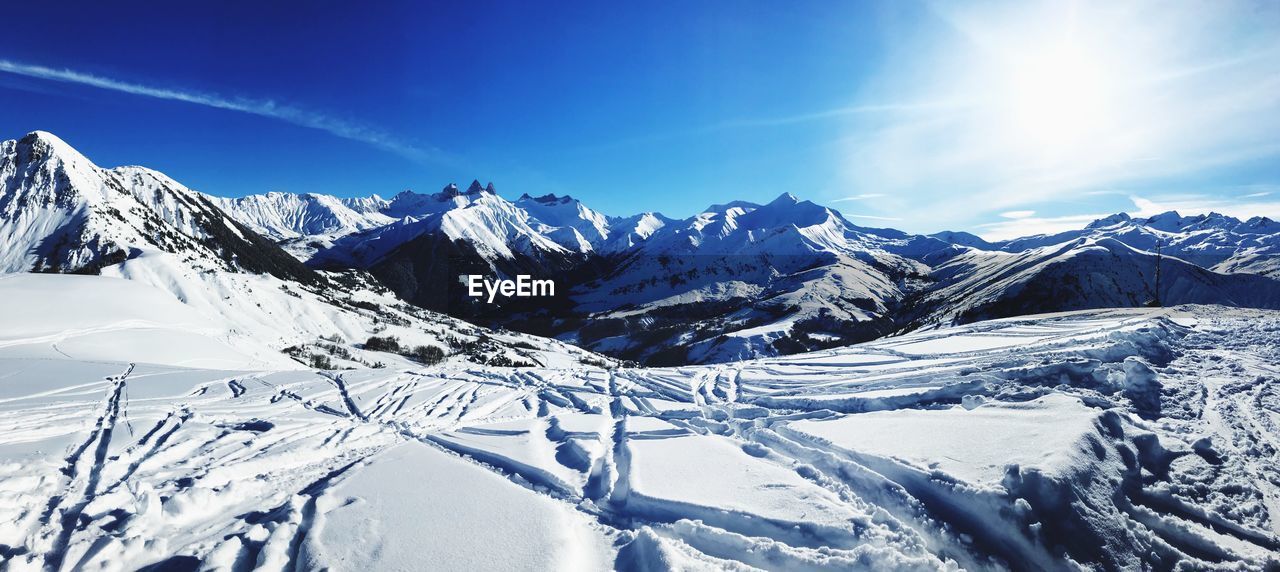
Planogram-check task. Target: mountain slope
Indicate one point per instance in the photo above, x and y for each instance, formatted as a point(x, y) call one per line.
point(61, 213)
point(287, 215)
point(450, 234)
point(1214, 241)
point(1084, 273)
point(743, 280)
point(495, 227)
point(579, 228)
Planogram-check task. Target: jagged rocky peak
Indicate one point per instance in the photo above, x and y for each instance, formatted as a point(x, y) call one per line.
point(45, 141)
point(42, 146)
point(476, 189)
point(449, 191)
point(1260, 224)
point(40, 170)
point(548, 199)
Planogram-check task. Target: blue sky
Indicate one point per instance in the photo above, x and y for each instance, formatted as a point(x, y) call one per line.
point(998, 118)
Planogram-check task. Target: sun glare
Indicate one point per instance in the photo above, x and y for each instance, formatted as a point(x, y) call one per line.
point(1058, 99)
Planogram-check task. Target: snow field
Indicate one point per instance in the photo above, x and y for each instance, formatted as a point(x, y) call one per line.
point(1103, 439)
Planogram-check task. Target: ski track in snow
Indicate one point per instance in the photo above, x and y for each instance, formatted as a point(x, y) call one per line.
point(1109, 438)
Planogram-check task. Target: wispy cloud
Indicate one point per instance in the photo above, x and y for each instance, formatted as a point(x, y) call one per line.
point(1185, 205)
point(765, 122)
point(262, 107)
point(1193, 205)
point(1018, 214)
point(850, 110)
point(862, 197)
point(1031, 226)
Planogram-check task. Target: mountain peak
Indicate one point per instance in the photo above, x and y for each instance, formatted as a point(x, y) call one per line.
point(475, 188)
point(42, 145)
point(785, 199)
point(963, 239)
point(548, 199)
point(1112, 220)
point(1173, 222)
point(1261, 223)
point(449, 191)
point(406, 196)
point(43, 136)
point(1166, 215)
point(720, 208)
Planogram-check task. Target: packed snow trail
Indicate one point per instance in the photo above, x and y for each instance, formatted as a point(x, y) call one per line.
point(83, 476)
point(1105, 439)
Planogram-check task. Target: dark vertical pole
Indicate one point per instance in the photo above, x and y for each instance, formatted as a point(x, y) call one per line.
point(1159, 243)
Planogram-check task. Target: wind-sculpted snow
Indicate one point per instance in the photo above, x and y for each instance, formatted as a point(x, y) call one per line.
point(1104, 439)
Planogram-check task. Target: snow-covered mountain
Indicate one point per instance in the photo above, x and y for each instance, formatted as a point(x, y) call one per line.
point(1091, 271)
point(1213, 240)
point(583, 229)
point(494, 226)
point(741, 280)
point(577, 226)
point(963, 239)
point(59, 212)
point(437, 238)
point(761, 279)
point(288, 215)
point(418, 244)
point(498, 227)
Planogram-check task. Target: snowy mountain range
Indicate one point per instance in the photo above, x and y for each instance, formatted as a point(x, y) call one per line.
point(736, 281)
point(1214, 241)
point(192, 383)
point(742, 279)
